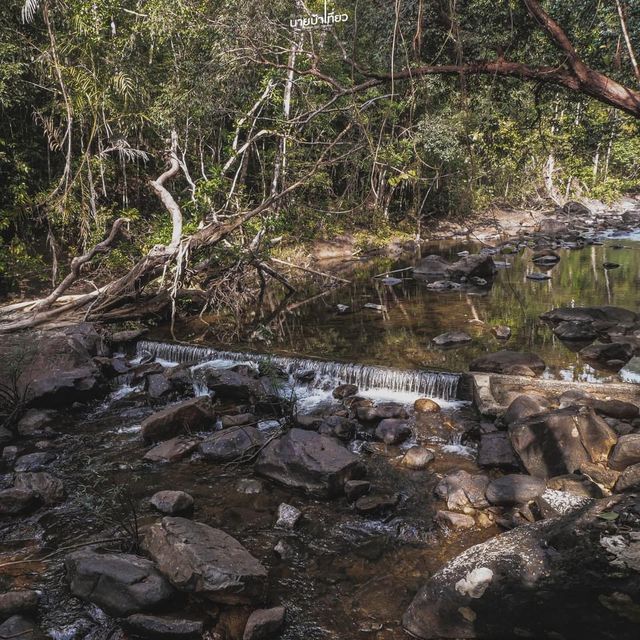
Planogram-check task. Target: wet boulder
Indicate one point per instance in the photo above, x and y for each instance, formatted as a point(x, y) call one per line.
point(264, 624)
point(374, 504)
point(618, 352)
point(34, 461)
point(238, 419)
point(617, 409)
point(514, 489)
point(393, 431)
point(231, 444)
point(121, 584)
point(154, 627)
point(561, 441)
point(310, 462)
point(502, 332)
point(461, 489)
point(626, 452)
point(509, 363)
point(188, 416)
point(44, 485)
point(171, 450)
point(354, 489)
point(15, 501)
point(36, 423)
point(172, 503)
point(417, 458)
point(339, 427)
point(344, 391)
point(200, 559)
point(575, 331)
point(20, 627)
point(454, 520)
point(18, 602)
point(229, 384)
point(570, 577)
point(474, 266)
point(575, 484)
point(426, 405)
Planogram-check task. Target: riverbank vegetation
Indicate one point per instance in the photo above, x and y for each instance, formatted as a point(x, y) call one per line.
point(214, 128)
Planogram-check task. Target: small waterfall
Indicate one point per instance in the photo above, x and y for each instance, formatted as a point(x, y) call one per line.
point(443, 386)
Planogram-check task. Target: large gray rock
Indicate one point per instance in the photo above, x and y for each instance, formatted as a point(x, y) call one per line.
point(620, 352)
point(121, 584)
point(560, 442)
point(461, 489)
point(231, 444)
point(49, 488)
point(34, 461)
point(452, 339)
point(190, 415)
point(200, 559)
point(495, 450)
point(172, 503)
point(14, 602)
point(629, 479)
point(308, 461)
point(264, 624)
point(171, 450)
point(36, 423)
point(509, 363)
point(613, 315)
point(626, 452)
point(393, 431)
point(525, 406)
point(432, 266)
point(475, 266)
point(514, 489)
point(571, 577)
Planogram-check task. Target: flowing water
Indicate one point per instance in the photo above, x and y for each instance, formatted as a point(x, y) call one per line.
point(400, 334)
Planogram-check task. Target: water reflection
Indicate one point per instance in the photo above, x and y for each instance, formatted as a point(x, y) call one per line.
point(401, 319)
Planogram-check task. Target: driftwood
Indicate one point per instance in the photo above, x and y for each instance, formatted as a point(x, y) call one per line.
point(308, 270)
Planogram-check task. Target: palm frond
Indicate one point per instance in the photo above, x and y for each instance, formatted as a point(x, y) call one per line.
point(29, 10)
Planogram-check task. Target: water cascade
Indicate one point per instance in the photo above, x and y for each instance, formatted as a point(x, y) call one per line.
point(431, 384)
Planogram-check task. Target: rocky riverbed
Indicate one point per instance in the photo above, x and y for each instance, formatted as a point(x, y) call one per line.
point(145, 497)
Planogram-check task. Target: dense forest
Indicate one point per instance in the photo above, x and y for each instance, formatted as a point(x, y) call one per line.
point(407, 111)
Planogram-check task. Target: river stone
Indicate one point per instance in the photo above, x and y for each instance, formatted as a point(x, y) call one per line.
point(20, 628)
point(354, 489)
point(509, 363)
point(264, 624)
point(345, 391)
point(569, 577)
point(417, 458)
point(172, 503)
point(171, 450)
point(338, 426)
point(453, 338)
point(514, 489)
point(308, 461)
point(157, 385)
point(538, 276)
point(121, 584)
point(288, 517)
point(615, 409)
point(188, 416)
point(619, 351)
point(626, 452)
point(426, 405)
point(525, 406)
point(13, 602)
point(575, 331)
point(145, 626)
point(552, 227)
point(474, 266)
point(390, 410)
point(200, 559)
point(559, 442)
point(495, 450)
point(231, 385)
point(615, 315)
point(376, 503)
point(432, 267)
point(15, 501)
point(455, 520)
point(238, 420)
point(392, 431)
point(629, 479)
point(231, 444)
point(49, 488)
point(502, 332)
point(460, 489)
point(34, 461)
point(545, 256)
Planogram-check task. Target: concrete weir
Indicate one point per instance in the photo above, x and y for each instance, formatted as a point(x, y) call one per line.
point(492, 393)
